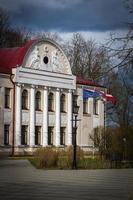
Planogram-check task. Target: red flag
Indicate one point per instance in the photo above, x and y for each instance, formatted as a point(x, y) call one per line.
point(110, 98)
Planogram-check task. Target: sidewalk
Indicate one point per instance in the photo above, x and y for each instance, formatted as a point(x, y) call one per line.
point(20, 180)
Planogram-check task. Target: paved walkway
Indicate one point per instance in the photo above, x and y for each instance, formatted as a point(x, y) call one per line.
point(20, 180)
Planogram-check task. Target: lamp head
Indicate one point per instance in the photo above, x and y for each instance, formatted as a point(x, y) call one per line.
point(76, 109)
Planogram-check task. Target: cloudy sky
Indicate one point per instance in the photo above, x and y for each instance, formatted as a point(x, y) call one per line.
point(95, 18)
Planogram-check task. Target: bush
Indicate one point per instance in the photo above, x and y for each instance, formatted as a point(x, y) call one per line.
point(52, 158)
point(79, 156)
point(96, 163)
point(46, 157)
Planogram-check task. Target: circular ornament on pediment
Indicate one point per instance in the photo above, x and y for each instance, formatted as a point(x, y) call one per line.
point(45, 60)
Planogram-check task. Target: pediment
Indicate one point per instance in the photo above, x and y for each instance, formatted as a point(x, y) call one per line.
point(48, 56)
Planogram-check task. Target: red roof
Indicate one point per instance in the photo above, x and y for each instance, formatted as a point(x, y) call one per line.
point(82, 81)
point(13, 57)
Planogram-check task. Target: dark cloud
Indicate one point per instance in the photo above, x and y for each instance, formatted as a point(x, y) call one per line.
point(66, 15)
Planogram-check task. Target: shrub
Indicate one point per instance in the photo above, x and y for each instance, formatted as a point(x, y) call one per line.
point(79, 156)
point(46, 157)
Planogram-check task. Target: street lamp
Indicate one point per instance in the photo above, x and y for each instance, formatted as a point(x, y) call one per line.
point(75, 112)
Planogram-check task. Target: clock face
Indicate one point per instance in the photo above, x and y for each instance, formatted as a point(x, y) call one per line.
point(47, 56)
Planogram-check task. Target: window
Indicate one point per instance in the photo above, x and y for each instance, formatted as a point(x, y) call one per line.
point(95, 106)
point(6, 134)
point(37, 135)
point(50, 135)
point(85, 106)
point(24, 135)
point(25, 99)
point(63, 103)
point(50, 102)
point(7, 97)
point(38, 101)
point(75, 98)
point(62, 136)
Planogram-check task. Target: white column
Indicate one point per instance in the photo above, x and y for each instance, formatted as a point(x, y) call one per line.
point(69, 118)
point(18, 115)
point(57, 116)
point(45, 118)
point(32, 116)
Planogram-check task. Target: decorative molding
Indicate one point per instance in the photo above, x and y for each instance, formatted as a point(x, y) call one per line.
point(46, 50)
point(34, 58)
point(57, 60)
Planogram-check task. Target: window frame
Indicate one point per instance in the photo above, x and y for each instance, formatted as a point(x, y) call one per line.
point(63, 103)
point(7, 97)
point(62, 135)
point(85, 106)
point(51, 102)
point(24, 135)
point(95, 106)
point(74, 101)
point(25, 100)
point(50, 135)
point(6, 134)
point(38, 135)
point(38, 101)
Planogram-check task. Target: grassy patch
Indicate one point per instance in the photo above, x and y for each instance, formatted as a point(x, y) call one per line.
point(20, 157)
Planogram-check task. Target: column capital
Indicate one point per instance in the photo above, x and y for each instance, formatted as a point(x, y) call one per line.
point(70, 91)
point(57, 89)
point(45, 88)
point(18, 84)
point(33, 86)
point(49, 88)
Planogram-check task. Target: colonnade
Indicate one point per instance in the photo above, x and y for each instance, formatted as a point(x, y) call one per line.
point(18, 115)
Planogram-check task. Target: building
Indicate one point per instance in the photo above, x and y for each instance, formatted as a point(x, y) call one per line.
point(37, 91)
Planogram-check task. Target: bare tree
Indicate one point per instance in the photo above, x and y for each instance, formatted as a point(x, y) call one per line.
point(87, 59)
point(11, 36)
point(51, 35)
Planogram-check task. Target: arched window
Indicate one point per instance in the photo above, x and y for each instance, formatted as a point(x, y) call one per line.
point(51, 102)
point(38, 101)
point(63, 103)
point(25, 99)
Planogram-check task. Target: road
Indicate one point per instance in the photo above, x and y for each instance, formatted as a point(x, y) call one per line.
point(20, 180)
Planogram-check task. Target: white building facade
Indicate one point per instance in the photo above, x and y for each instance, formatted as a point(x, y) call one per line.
point(37, 91)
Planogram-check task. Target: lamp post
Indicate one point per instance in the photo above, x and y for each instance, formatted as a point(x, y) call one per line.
point(75, 111)
point(124, 151)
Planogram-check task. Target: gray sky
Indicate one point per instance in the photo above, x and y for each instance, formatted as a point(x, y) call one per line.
point(68, 16)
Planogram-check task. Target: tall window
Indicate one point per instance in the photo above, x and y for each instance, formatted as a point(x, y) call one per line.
point(50, 135)
point(63, 103)
point(95, 106)
point(37, 135)
point(85, 106)
point(25, 99)
point(38, 101)
point(7, 97)
point(74, 99)
point(24, 135)
point(6, 134)
point(62, 136)
point(50, 102)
